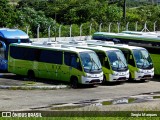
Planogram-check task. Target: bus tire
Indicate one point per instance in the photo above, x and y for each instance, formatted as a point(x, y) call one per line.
point(104, 79)
point(31, 74)
point(74, 82)
point(130, 77)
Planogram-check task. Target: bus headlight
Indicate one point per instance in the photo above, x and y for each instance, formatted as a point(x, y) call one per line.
point(139, 71)
point(115, 73)
point(88, 75)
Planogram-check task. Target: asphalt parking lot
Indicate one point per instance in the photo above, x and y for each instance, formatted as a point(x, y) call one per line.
point(49, 94)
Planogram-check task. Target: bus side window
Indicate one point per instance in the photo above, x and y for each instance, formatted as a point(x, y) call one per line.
point(107, 64)
point(126, 55)
point(74, 62)
point(102, 59)
point(50, 56)
point(70, 59)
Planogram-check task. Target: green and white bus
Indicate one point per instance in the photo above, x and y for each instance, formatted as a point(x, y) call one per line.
point(113, 62)
point(77, 66)
point(148, 40)
point(138, 59)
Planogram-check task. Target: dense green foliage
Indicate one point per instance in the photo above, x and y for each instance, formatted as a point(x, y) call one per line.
point(54, 13)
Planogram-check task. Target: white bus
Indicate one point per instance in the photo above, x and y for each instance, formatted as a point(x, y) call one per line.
point(77, 66)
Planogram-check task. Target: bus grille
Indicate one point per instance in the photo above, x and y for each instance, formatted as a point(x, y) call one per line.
point(95, 81)
point(122, 78)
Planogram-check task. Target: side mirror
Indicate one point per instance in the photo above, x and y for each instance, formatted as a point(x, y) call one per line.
point(77, 60)
point(105, 59)
point(130, 57)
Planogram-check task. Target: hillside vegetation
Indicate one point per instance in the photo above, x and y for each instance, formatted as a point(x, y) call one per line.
point(90, 14)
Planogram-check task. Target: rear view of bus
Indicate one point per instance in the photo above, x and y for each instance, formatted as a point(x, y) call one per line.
point(139, 61)
point(8, 36)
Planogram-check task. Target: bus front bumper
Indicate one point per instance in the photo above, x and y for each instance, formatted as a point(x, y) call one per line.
point(119, 76)
point(144, 76)
point(92, 80)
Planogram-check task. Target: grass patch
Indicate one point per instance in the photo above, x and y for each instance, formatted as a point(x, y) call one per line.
point(107, 103)
point(156, 97)
point(29, 83)
point(65, 107)
point(131, 100)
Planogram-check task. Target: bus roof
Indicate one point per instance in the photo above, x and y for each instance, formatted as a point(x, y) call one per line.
point(95, 47)
point(104, 33)
point(128, 46)
point(107, 44)
point(13, 33)
point(52, 46)
point(145, 36)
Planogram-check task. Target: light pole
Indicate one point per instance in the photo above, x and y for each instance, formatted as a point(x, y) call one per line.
point(124, 9)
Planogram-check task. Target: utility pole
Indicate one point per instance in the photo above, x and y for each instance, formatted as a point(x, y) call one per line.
point(124, 9)
point(122, 3)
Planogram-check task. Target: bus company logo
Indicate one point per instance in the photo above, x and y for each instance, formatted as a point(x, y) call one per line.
point(6, 114)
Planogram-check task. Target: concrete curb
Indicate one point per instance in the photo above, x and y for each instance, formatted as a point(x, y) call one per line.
point(33, 87)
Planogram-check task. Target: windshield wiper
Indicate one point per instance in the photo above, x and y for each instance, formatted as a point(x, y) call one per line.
point(145, 60)
point(121, 62)
point(95, 63)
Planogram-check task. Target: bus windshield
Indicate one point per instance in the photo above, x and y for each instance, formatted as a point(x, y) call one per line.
point(117, 60)
point(90, 62)
point(142, 58)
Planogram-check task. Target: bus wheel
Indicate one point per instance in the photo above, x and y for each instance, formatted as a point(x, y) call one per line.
point(130, 77)
point(31, 74)
point(104, 79)
point(74, 83)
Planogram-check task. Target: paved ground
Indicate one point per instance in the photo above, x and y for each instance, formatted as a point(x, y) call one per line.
point(84, 98)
